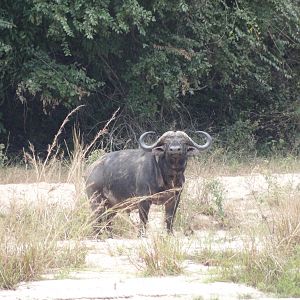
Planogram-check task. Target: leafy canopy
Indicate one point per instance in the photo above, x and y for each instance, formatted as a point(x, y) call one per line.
point(219, 64)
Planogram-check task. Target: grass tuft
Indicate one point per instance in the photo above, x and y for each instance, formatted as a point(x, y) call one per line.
point(160, 255)
point(270, 256)
point(31, 241)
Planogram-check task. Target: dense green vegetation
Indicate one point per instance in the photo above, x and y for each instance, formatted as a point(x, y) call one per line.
point(230, 67)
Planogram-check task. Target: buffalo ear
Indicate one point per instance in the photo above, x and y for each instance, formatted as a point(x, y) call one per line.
point(191, 151)
point(160, 150)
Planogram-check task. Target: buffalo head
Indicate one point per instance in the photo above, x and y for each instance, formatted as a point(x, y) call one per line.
point(175, 146)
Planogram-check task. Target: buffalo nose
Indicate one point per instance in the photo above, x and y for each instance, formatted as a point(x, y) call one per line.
point(175, 149)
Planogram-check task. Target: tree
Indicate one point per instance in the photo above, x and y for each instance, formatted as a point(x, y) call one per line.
point(229, 65)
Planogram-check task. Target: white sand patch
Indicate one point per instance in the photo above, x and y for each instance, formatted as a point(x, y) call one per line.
point(12, 195)
point(241, 187)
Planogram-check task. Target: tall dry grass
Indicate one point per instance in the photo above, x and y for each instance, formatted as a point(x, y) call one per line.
point(270, 256)
point(30, 241)
point(38, 236)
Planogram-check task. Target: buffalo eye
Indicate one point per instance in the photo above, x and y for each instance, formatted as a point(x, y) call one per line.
point(191, 150)
point(158, 150)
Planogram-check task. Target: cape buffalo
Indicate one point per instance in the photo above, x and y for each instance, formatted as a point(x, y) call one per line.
point(153, 172)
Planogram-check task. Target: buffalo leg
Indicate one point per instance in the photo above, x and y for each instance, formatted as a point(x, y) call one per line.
point(108, 225)
point(98, 209)
point(144, 208)
point(170, 211)
point(103, 215)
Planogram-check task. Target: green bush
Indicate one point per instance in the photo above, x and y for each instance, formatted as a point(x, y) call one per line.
point(222, 65)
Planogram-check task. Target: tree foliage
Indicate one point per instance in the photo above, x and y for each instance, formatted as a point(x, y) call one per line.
point(230, 65)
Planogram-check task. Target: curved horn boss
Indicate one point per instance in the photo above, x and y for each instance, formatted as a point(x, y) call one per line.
point(142, 143)
point(201, 147)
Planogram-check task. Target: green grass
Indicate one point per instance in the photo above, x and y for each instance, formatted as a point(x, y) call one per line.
point(272, 271)
point(269, 271)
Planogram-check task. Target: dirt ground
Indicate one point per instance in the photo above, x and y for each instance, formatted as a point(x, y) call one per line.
point(109, 274)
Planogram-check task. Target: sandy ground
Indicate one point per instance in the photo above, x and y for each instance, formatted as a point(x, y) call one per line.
point(235, 188)
point(110, 275)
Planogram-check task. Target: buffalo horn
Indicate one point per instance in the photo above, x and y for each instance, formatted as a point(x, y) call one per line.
point(206, 145)
point(142, 143)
